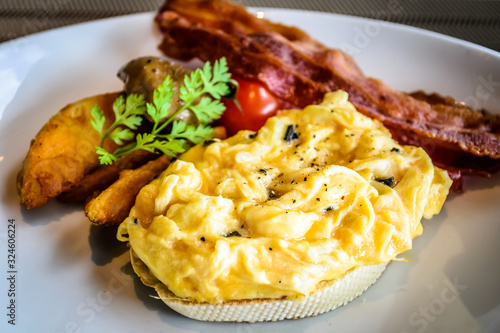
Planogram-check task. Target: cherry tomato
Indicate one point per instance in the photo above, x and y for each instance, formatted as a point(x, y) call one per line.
point(256, 102)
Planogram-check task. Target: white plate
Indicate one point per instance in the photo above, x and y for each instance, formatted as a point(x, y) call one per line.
point(72, 277)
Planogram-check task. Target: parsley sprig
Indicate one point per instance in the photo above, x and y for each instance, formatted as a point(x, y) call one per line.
point(200, 93)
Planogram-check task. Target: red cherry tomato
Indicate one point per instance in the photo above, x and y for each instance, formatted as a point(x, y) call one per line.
point(257, 104)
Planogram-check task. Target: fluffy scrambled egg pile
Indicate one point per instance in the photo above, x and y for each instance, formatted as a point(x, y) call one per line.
point(312, 195)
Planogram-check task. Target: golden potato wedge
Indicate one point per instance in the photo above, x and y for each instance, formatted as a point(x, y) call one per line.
point(113, 205)
point(63, 151)
point(104, 176)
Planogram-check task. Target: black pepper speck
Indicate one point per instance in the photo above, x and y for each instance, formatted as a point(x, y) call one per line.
point(207, 143)
point(290, 134)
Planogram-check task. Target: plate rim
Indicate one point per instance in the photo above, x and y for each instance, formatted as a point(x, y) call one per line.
point(359, 19)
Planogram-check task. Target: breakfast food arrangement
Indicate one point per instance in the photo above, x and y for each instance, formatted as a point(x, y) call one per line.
point(315, 197)
point(246, 210)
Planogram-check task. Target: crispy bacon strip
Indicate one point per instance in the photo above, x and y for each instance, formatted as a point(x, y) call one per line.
point(300, 70)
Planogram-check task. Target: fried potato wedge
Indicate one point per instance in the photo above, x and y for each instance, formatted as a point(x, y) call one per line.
point(113, 205)
point(63, 151)
point(104, 176)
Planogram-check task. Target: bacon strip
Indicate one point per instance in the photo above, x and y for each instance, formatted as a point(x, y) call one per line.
point(300, 70)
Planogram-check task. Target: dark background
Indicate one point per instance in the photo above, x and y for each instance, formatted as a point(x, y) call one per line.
point(477, 21)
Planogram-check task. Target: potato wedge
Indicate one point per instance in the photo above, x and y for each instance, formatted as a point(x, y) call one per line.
point(113, 205)
point(104, 176)
point(63, 151)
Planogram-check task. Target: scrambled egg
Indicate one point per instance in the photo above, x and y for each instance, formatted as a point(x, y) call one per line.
point(312, 195)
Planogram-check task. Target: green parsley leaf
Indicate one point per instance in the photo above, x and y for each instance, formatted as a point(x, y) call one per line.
point(144, 141)
point(170, 148)
point(190, 132)
point(188, 91)
point(134, 109)
point(162, 101)
point(104, 156)
point(220, 79)
point(121, 134)
point(200, 93)
point(208, 109)
point(98, 120)
point(127, 117)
